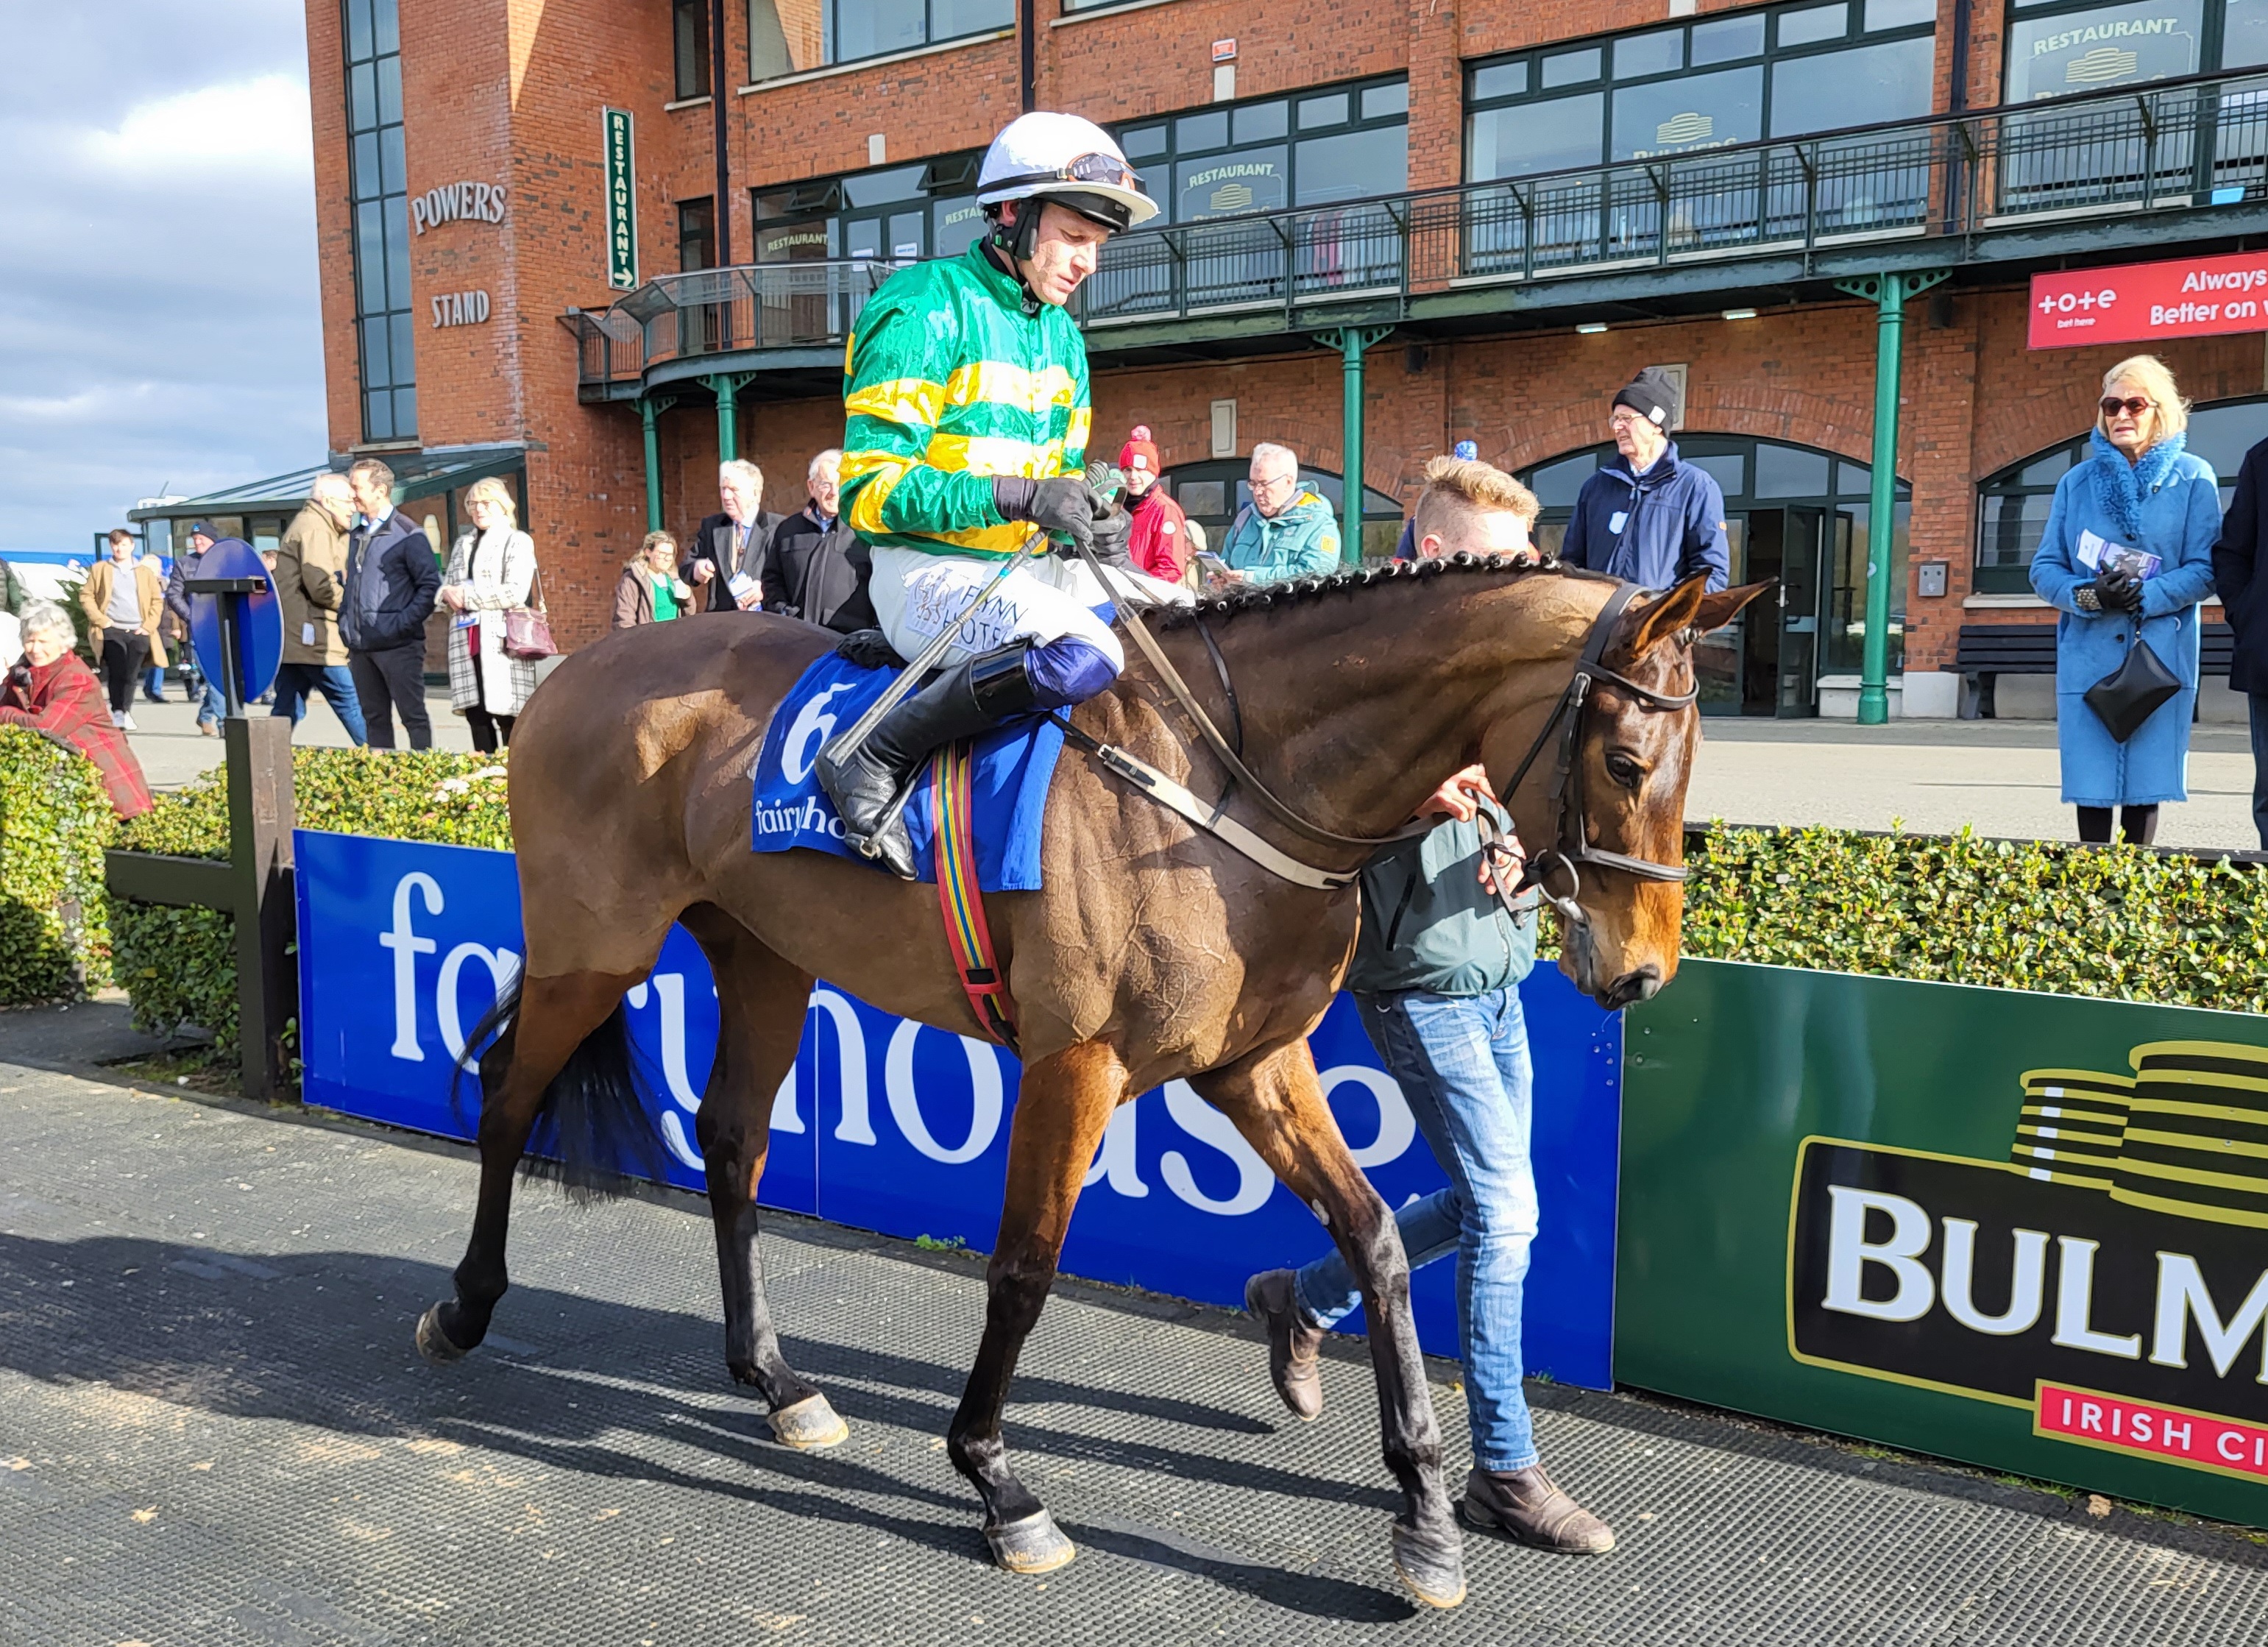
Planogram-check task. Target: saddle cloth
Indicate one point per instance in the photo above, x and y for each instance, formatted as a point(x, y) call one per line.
point(1009, 788)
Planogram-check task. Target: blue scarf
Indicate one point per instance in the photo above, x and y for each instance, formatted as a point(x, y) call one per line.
point(2121, 488)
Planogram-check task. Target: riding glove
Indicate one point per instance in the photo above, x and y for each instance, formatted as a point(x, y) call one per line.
point(1114, 533)
point(1062, 506)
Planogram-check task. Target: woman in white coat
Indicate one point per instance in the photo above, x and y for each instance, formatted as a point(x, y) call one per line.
point(492, 569)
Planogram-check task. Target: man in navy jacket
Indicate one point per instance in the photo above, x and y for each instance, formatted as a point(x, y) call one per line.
point(392, 581)
point(1646, 515)
point(2237, 577)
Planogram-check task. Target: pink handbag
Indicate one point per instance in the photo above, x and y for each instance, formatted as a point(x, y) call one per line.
point(527, 630)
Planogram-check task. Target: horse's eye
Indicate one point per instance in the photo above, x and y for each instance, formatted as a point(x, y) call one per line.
point(1624, 771)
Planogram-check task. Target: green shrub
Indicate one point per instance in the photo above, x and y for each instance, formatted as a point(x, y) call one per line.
point(55, 822)
point(179, 965)
point(2119, 922)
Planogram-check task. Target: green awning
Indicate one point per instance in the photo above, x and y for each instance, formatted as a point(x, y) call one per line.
point(415, 474)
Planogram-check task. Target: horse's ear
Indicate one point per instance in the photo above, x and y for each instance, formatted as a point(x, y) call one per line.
point(1717, 610)
point(1661, 619)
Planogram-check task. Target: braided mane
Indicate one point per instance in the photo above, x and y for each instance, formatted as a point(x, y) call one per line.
point(1265, 597)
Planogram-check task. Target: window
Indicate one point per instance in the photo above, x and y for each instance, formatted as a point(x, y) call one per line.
point(689, 20)
point(696, 243)
point(1701, 85)
point(2058, 51)
point(2012, 505)
point(896, 213)
point(386, 335)
point(871, 28)
point(1316, 149)
point(1212, 493)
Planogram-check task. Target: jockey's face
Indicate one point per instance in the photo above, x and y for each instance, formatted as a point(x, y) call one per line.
point(1065, 254)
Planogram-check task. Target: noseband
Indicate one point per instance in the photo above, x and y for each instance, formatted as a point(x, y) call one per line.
point(1570, 846)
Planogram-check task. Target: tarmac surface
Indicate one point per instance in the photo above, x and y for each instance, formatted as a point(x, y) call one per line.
point(213, 1430)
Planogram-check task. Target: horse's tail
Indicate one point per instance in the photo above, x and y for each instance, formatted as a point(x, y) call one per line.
point(592, 1133)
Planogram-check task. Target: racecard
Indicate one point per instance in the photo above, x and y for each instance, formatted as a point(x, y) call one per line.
point(2110, 1278)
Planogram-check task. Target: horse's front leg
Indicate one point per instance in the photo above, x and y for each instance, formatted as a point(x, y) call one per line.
point(1062, 1107)
point(1277, 1103)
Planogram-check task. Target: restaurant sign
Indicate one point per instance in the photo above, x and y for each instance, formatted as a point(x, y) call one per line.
point(2143, 303)
point(621, 200)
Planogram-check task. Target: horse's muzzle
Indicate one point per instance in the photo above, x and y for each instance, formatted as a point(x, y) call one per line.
point(1632, 988)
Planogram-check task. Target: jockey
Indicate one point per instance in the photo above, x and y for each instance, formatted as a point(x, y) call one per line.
point(966, 426)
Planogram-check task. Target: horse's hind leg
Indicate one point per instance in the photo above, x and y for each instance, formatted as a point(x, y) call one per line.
point(760, 1008)
point(1276, 1102)
point(1062, 1107)
point(553, 1018)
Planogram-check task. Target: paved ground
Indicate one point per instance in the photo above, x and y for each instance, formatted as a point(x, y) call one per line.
point(2003, 777)
point(213, 1430)
point(172, 752)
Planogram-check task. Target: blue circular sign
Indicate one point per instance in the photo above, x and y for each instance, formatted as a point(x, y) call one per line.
point(260, 619)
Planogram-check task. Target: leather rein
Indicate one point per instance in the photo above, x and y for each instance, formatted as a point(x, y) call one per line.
point(1570, 848)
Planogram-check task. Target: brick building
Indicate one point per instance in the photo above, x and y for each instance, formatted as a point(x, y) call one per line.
point(590, 245)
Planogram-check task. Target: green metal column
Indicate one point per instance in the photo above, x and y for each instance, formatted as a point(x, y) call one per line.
point(1889, 293)
point(1351, 341)
point(649, 413)
point(726, 386)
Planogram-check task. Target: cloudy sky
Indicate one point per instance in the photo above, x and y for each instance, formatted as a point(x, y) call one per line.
point(158, 327)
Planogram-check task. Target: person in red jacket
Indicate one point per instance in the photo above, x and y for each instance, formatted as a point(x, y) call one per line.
point(49, 690)
point(1160, 540)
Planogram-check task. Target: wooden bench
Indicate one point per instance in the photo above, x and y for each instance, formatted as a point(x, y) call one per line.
point(1988, 650)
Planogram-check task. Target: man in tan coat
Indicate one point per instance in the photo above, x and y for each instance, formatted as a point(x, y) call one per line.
point(310, 566)
point(123, 600)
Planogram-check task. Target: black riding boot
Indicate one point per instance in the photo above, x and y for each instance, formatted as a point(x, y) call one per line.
point(869, 788)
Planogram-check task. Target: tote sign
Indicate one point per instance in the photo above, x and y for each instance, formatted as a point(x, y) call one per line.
point(2142, 303)
point(622, 199)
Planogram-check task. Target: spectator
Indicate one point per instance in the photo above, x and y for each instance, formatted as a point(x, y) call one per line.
point(1285, 531)
point(1159, 542)
point(49, 690)
point(728, 548)
point(1436, 974)
point(2126, 555)
point(648, 591)
point(1406, 548)
point(123, 600)
point(1646, 515)
point(491, 571)
point(214, 704)
point(815, 567)
point(2235, 564)
point(391, 583)
point(311, 565)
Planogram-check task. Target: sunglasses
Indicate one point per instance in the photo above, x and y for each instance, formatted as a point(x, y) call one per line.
point(2133, 406)
point(1087, 168)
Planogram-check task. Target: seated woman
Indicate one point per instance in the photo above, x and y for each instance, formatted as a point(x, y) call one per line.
point(49, 690)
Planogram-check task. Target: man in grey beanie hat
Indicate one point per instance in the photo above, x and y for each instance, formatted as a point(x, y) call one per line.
point(1646, 515)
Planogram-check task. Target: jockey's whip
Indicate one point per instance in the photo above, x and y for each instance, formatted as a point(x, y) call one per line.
point(846, 744)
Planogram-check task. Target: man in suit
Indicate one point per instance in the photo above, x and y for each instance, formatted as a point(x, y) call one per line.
point(211, 705)
point(392, 580)
point(726, 551)
point(815, 568)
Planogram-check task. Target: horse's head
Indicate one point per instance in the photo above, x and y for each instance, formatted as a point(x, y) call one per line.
point(1609, 838)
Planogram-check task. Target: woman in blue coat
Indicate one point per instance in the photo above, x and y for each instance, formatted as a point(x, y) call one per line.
point(2139, 490)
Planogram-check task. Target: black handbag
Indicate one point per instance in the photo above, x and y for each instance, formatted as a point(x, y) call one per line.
point(2135, 691)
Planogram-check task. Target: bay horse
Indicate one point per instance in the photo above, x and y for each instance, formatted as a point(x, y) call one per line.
point(1154, 950)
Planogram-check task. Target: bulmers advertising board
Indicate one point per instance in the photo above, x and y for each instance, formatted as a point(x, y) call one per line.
point(2026, 1231)
point(889, 1126)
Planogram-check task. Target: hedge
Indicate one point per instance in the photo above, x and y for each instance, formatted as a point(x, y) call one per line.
point(2123, 922)
point(55, 917)
point(179, 964)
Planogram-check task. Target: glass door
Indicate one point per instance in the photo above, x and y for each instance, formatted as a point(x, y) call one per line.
point(1803, 539)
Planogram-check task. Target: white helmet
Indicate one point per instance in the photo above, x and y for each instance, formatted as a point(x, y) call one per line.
point(1066, 158)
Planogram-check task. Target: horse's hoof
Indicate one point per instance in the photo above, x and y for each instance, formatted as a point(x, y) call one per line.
point(433, 1344)
point(1033, 1545)
point(1432, 1569)
point(809, 1425)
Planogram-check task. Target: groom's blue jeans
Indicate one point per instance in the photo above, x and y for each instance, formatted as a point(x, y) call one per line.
point(1463, 1064)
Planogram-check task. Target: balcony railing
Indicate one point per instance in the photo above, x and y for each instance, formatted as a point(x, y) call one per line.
point(2176, 145)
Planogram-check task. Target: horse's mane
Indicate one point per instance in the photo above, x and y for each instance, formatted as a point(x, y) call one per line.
point(1268, 597)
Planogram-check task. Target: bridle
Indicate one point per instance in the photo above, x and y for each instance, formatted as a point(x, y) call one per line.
point(1571, 845)
point(1569, 848)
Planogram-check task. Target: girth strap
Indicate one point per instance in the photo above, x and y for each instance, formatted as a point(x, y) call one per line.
point(961, 899)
